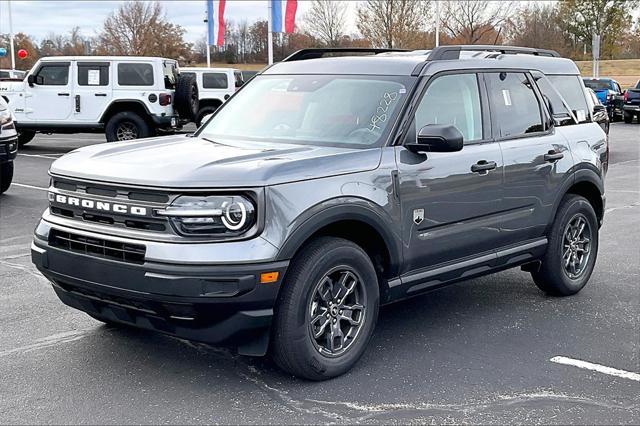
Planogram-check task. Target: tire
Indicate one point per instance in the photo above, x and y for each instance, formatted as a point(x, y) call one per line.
point(127, 125)
point(553, 277)
point(628, 118)
point(6, 176)
point(204, 111)
point(186, 97)
point(293, 348)
point(25, 136)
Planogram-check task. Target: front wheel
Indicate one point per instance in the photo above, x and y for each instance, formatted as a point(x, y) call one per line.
point(628, 118)
point(25, 136)
point(572, 248)
point(326, 311)
point(127, 125)
point(6, 176)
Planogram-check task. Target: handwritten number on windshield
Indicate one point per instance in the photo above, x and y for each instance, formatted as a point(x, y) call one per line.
point(381, 115)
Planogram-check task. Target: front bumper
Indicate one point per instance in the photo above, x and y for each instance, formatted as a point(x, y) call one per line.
point(8, 148)
point(220, 304)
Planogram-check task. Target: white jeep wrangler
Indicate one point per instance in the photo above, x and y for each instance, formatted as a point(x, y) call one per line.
point(215, 85)
point(125, 97)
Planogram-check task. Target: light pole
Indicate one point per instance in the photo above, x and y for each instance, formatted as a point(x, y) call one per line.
point(13, 53)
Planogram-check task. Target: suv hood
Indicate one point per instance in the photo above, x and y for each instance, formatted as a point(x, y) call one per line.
point(191, 162)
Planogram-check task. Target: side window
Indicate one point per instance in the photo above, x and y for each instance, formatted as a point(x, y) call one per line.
point(558, 109)
point(452, 99)
point(238, 77)
point(214, 80)
point(572, 90)
point(170, 75)
point(135, 74)
point(54, 75)
point(514, 104)
point(93, 74)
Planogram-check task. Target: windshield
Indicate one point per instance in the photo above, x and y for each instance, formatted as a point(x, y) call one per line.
point(354, 111)
point(597, 84)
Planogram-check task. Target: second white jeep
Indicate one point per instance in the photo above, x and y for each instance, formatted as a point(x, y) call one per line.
point(215, 85)
point(125, 97)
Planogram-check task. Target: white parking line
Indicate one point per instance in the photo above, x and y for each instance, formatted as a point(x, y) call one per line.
point(47, 156)
point(596, 367)
point(22, 185)
point(49, 341)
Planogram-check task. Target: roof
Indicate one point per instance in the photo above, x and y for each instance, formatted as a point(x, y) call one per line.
point(424, 62)
point(104, 58)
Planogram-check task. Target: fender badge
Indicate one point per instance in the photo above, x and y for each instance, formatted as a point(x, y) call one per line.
point(418, 216)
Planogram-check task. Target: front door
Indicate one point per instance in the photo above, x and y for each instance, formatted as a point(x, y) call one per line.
point(50, 99)
point(450, 201)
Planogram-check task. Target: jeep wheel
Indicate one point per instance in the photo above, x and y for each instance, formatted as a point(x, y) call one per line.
point(186, 97)
point(204, 112)
point(6, 176)
point(572, 248)
point(326, 311)
point(628, 118)
point(25, 136)
point(126, 126)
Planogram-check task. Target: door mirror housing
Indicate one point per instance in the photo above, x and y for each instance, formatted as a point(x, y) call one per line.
point(437, 138)
point(31, 79)
point(35, 79)
point(599, 109)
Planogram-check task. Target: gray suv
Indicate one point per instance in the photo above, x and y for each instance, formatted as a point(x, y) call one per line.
point(326, 187)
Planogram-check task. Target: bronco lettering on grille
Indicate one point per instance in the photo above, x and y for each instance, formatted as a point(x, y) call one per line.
point(97, 205)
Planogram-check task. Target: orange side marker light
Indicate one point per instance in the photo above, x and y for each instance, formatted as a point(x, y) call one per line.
point(269, 277)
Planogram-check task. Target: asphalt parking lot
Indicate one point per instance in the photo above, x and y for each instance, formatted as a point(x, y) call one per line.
point(476, 352)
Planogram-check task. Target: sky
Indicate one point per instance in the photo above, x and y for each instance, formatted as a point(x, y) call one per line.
point(39, 18)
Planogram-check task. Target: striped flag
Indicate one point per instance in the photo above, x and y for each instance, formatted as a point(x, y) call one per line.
point(287, 24)
point(215, 22)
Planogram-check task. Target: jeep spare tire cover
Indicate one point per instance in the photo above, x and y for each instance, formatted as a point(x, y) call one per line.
point(186, 98)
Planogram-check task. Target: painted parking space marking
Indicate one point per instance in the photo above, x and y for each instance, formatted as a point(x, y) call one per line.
point(49, 341)
point(46, 156)
point(22, 185)
point(596, 367)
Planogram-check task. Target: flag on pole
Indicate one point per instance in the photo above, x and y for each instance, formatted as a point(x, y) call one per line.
point(287, 24)
point(215, 22)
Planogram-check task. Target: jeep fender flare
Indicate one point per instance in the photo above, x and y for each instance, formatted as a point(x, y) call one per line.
point(114, 104)
point(344, 209)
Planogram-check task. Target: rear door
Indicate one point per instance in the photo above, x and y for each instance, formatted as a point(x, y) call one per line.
point(93, 90)
point(536, 157)
point(450, 200)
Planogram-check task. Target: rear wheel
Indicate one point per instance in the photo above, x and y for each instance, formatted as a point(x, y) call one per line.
point(326, 311)
point(6, 176)
point(204, 111)
point(25, 136)
point(127, 125)
point(628, 118)
point(572, 249)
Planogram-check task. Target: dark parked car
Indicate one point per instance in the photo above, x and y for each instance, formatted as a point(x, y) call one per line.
point(632, 104)
point(330, 186)
point(598, 111)
point(609, 93)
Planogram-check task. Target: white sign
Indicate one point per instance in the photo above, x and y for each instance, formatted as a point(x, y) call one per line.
point(93, 78)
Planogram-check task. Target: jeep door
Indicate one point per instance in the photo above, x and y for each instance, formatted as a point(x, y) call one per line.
point(92, 92)
point(49, 100)
point(450, 200)
point(536, 157)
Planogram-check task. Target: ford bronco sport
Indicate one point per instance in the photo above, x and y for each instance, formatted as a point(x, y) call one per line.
point(326, 187)
point(126, 97)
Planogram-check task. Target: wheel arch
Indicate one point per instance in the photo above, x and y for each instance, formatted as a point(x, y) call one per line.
point(588, 184)
point(134, 105)
point(210, 103)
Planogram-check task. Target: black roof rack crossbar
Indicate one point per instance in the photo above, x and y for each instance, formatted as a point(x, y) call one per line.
point(453, 52)
point(315, 53)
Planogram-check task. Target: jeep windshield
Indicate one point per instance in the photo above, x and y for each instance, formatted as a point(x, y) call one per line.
point(344, 110)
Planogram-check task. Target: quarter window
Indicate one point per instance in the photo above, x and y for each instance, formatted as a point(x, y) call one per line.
point(214, 80)
point(514, 104)
point(93, 74)
point(572, 90)
point(54, 75)
point(560, 112)
point(135, 74)
point(452, 99)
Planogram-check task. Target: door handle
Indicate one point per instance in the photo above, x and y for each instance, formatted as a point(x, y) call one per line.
point(100, 94)
point(553, 155)
point(63, 94)
point(483, 166)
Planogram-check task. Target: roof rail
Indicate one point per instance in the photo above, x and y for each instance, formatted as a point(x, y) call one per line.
point(314, 53)
point(453, 52)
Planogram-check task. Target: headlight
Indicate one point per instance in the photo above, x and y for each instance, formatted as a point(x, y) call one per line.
point(216, 215)
point(5, 117)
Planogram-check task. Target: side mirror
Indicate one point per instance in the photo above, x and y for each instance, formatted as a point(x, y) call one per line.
point(437, 138)
point(599, 109)
point(35, 79)
point(205, 119)
point(31, 79)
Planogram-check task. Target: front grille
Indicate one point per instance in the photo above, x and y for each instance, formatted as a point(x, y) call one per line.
point(98, 247)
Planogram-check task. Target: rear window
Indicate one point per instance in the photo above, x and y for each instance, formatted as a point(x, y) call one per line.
point(135, 74)
point(170, 75)
point(214, 80)
point(571, 89)
point(596, 85)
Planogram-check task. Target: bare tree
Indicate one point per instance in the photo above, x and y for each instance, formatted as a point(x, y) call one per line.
point(243, 39)
point(393, 23)
point(141, 28)
point(325, 20)
point(472, 21)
